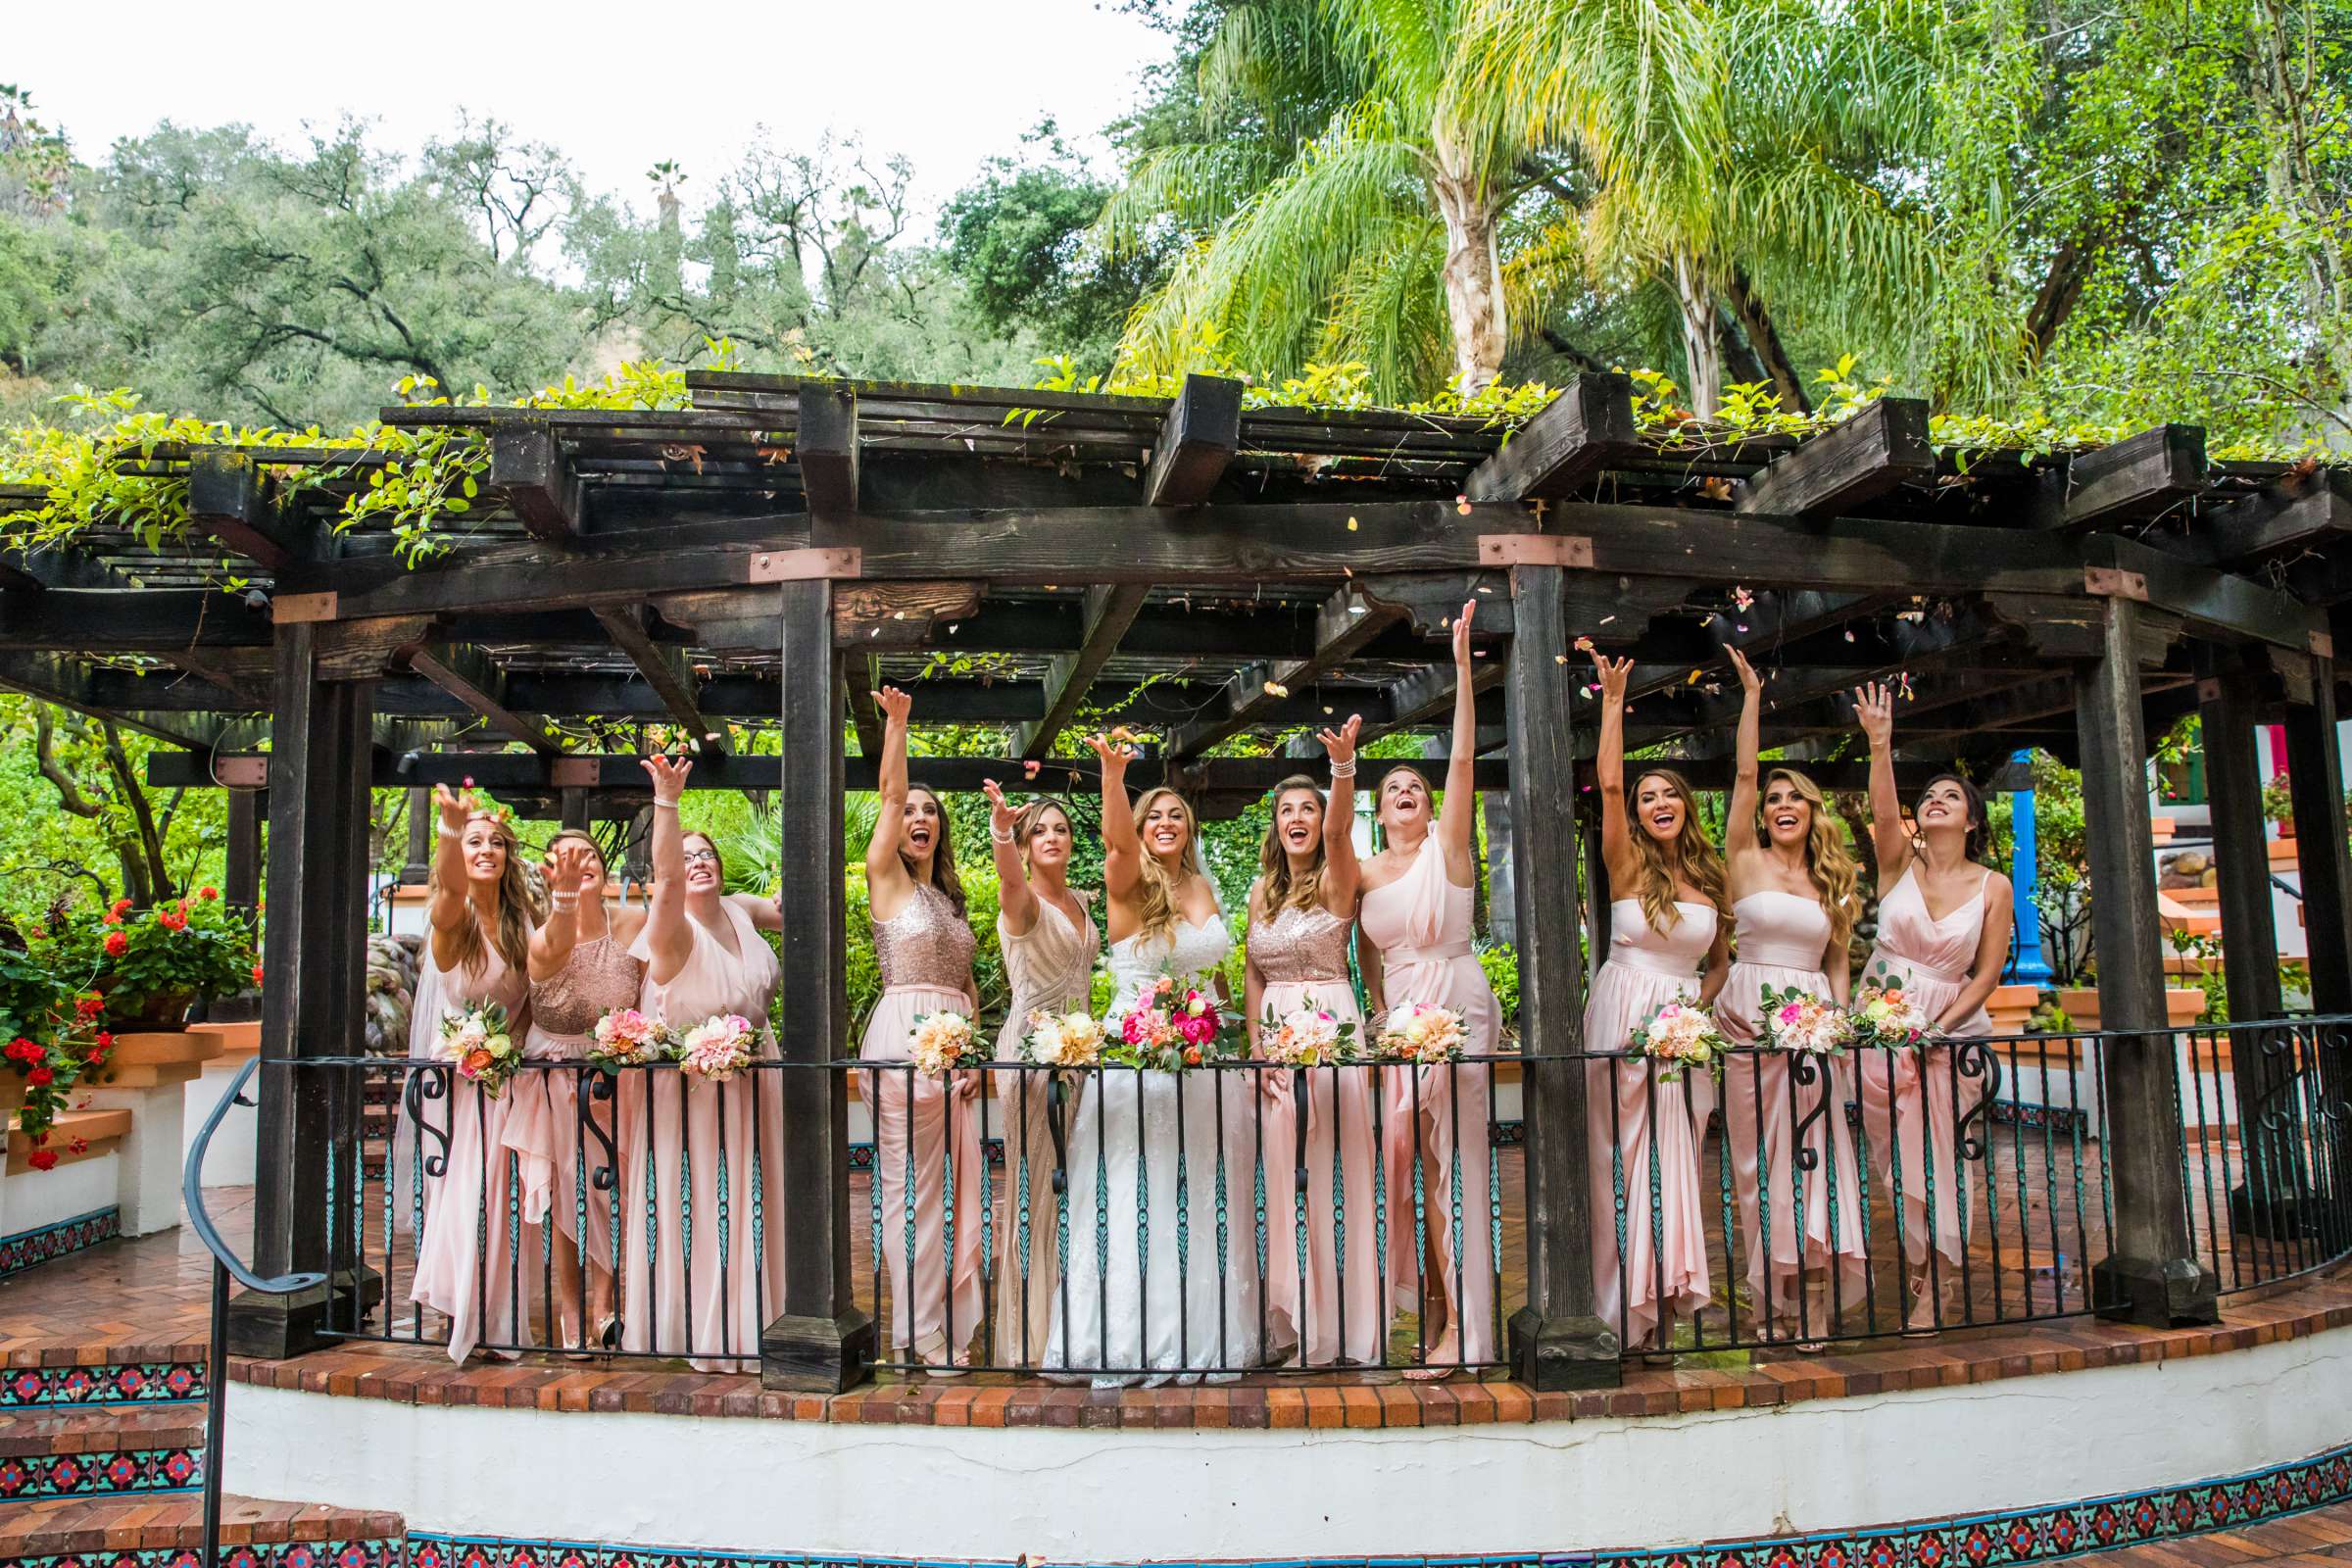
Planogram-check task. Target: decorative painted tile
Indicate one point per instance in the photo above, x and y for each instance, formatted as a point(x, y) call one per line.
point(100, 1474)
point(132, 1382)
point(27, 1249)
point(278, 1554)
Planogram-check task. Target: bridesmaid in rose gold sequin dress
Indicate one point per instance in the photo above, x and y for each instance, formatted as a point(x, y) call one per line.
point(926, 1128)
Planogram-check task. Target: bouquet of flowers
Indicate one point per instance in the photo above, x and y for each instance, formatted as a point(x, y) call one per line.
point(1167, 1030)
point(477, 1042)
point(627, 1038)
point(1800, 1021)
point(716, 1049)
point(1307, 1036)
point(1064, 1038)
point(1679, 1034)
point(1883, 1015)
point(945, 1040)
point(1418, 1032)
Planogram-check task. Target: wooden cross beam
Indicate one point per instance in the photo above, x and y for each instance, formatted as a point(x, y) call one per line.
point(1108, 611)
point(2140, 477)
point(35, 571)
point(666, 670)
point(528, 466)
point(1343, 626)
point(469, 675)
point(1197, 440)
point(828, 451)
point(227, 500)
point(1586, 427)
point(1882, 448)
point(2299, 512)
point(54, 678)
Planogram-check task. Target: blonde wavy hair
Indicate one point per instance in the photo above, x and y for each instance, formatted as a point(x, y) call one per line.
point(1282, 889)
point(514, 905)
point(1155, 911)
point(1026, 819)
point(1826, 858)
point(1689, 858)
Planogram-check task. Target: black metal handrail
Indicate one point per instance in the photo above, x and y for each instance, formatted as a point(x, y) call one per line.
point(227, 1266)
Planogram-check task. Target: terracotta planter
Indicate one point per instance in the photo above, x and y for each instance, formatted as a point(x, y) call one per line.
point(2009, 1007)
point(2181, 1007)
point(13, 1090)
point(157, 1015)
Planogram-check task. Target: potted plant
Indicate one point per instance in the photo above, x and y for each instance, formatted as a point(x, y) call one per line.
point(2279, 804)
point(152, 964)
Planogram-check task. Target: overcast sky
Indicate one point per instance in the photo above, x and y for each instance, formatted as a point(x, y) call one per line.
point(947, 82)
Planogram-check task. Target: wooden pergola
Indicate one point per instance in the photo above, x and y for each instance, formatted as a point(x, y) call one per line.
point(1209, 570)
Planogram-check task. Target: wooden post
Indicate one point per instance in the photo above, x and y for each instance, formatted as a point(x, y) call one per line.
point(2226, 705)
point(241, 876)
point(1557, 1340)
point(315, 959)
point(2314, 777)
point(419, 867)
point(823, 1341)
point(1600, 918)
point(2151, 1274)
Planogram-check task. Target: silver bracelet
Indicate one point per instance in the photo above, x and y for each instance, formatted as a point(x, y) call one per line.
point(1001, 838)
point(448, 832)
point(1343, 770)
point(564, 901)
point(666, 806)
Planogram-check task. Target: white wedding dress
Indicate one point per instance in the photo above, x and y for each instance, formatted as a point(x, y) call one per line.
point(1160, 1274)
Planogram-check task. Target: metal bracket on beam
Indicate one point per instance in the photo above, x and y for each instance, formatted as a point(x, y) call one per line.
point(242, 772)
point(800, 566)
point(288, 609)
point(2113, 582)
point(575, 772)
point(2323, 644)
point(1535, 549)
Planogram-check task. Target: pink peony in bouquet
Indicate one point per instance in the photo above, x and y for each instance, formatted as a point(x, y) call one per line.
point(1800, 1021)
point(1679, 1034)
point(1307, 1036)
point(1419, 1032)
point(478, 1043)
point(946, 1040)
point(1881, 1014)
point(716, 1049)
point(1168, 1030)
point(627, 1038)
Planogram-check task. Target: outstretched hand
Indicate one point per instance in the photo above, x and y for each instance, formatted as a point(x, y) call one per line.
point(1113, 751)
point(1000, 815)
point(455, 805)
point(1340, 744)
point(1874, 711)
point(669, 775)
point(1462, 634)
point(1748, 678)
point(569, 867)
point(894, 704)
point(1613, 673)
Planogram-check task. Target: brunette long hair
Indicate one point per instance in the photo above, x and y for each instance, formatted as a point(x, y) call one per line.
point(1691, 858)
point(1978, 827)
point(943, 852)
point(1302, 890)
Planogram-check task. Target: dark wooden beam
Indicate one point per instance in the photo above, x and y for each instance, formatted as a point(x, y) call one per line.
point(1882, 448)
point(469, 675)
point(666, 672)
point(1197, 440)
point(66, 682)
point(2229, 707)
point(229, 500)
point(1343, 626)
point(1108, 611)
point(2315, 777)
point(828, 451)
point(33, 571)
point(1588, 427)
point(2299, 512)
point(2140, 477)
point(528, 464)
point(858, 679)
point(1421, 699)
point(123, 620)
point(2217, 603)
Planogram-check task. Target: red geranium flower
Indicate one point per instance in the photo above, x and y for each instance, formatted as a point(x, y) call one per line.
point(89, 1004)
point(22, 1050)
point(117, 943)
point(208, 895)
point(41, 1077)
point(110, 918)
point(42, 1159)
point(256, 974)
point(80, 1146)
point(106, 1041)
point(118, 905)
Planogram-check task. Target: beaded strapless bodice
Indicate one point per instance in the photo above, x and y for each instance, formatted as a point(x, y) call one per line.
point(1299, 945)
point(925, 944)
point(598, 977)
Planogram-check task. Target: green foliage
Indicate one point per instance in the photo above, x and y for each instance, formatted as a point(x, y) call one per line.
point(166, 955)
point(1500, 962)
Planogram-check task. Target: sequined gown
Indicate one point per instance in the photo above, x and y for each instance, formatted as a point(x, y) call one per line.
point(1814, 1217)
point(1302, 955)
point(467, 1263)
point(1643, 1162)
point(559, 1167)
point(703, 1167)
point(1050, 967)
point(1153, 1288)
point(1911, 1100)
point(1421, 923)
point(927, 1168)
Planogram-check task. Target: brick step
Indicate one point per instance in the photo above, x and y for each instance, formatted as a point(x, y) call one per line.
point(101, 1429)
point(123, 1451)
point(56, 1528)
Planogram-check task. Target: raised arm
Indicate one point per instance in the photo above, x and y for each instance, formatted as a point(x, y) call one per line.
point(887, 883)
point(1874, 709)
point(668, 940)
point(1122, 846)
point(552, 943)
point(1016, 905)
point(1342, 874)
point(447, 912)
point(1740, 817)
point(1457, 817)
point(1608, 768)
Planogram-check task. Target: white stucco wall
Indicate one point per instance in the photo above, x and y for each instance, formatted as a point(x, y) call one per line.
point(1126, 1494)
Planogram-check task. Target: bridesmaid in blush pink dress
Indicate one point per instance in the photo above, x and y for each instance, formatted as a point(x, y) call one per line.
point(1300, 912)
point(1948, 963)
point(1792, 902)
point(926, 1128)
point(1415, 915)
point(1649, 1243)
point(478, 951)
point(1049, 942)
point(702, 1163)
point(580, 970)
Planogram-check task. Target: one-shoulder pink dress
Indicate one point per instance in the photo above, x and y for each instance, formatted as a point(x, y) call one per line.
point(926, 1133)
point(470, 1266)
point(1421, 923)
point(1912, 1101)
point(703, 1167)
point(1334, 1308)
point(1814, 1215)
point(1647, 1208)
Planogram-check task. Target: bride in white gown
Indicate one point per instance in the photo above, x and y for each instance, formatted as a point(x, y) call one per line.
point(1160, 1275)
